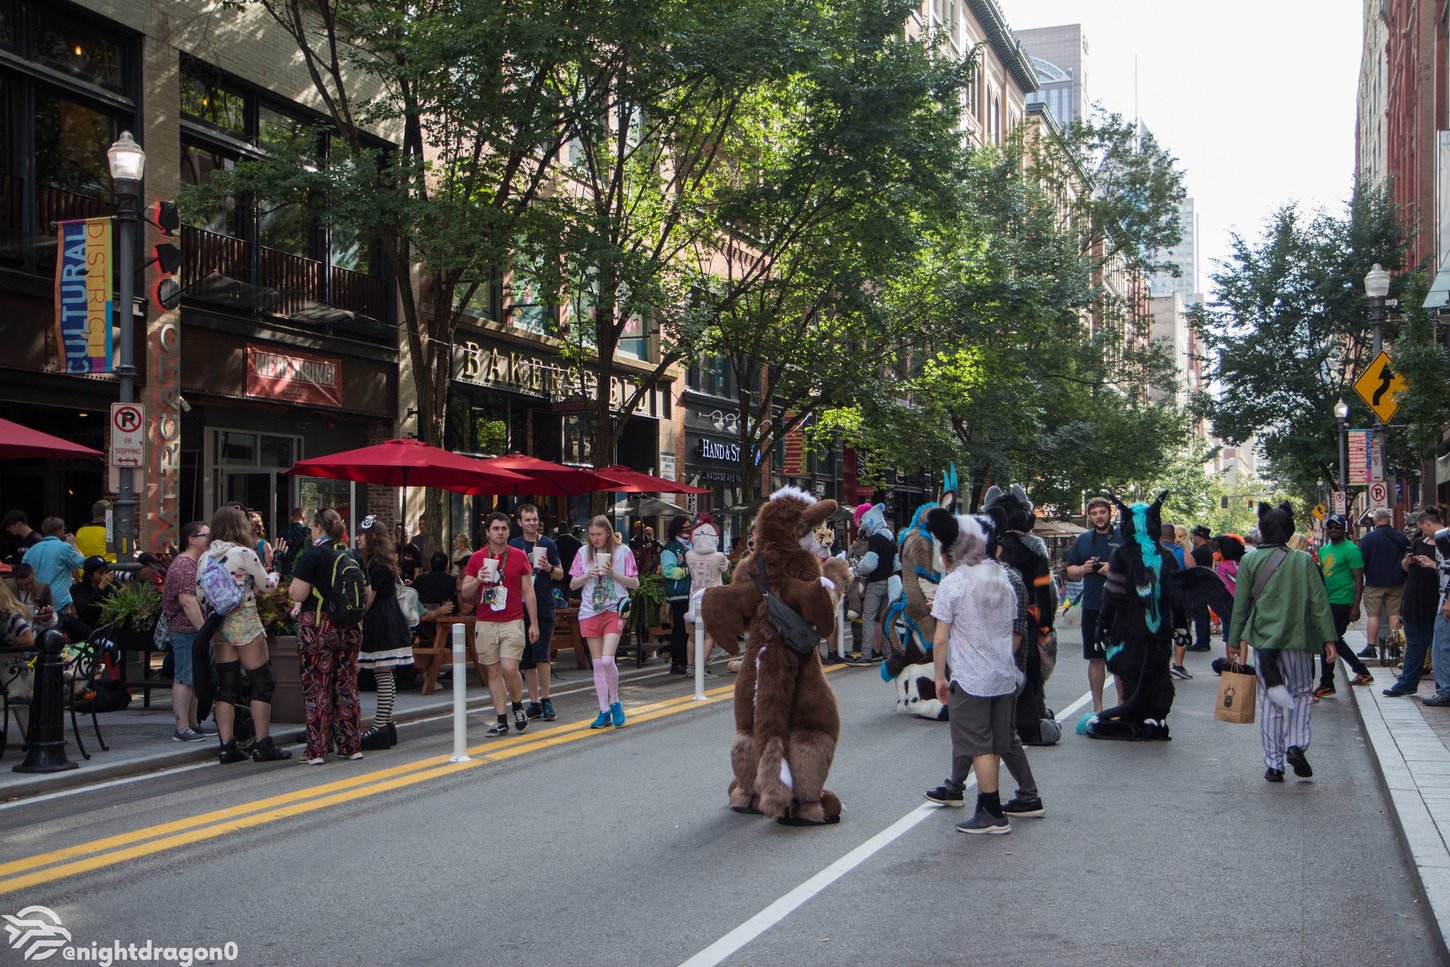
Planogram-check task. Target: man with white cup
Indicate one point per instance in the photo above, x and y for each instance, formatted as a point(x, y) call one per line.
point(548, 568)
point(494, 579)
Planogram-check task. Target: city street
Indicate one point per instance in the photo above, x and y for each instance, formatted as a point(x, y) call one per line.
point(564, 846)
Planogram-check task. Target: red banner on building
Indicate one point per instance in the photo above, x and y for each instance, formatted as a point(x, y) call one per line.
point(794, 463)
point(293, 376)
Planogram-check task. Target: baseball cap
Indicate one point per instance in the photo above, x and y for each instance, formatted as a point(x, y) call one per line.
point(1202, 531)
point(1335, 520)
point(93, 564)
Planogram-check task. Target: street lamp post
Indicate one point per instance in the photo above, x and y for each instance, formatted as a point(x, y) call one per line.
point(1376, 288)
point(128, 165)
point(1341, 413)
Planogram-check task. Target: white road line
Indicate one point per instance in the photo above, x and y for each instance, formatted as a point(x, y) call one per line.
point(633, 674)
point(790, 902)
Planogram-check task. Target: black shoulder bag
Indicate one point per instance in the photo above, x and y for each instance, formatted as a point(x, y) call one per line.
point(794, 629)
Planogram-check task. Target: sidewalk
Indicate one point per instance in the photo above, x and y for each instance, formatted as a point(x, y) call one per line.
point(1411, 746)
point(140, 739)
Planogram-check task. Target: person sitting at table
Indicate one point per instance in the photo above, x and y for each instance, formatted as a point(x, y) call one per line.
point(93, 590)
point(436, 589)
point(604, 572)
point(15, 629)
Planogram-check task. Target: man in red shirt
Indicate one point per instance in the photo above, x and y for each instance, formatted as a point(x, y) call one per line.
point(501, 592)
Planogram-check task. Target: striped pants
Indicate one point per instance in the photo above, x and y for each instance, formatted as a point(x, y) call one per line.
point(1280, 728)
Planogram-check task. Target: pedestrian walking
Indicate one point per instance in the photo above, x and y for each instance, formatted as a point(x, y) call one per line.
point(707, 565)
point(1087, 561)
point(1202, 553)
point(875, 568)
point(1424, 587)
point(182, 613)
point(1383, 548)
point(239, 640)
point(387, 641)
point(326, 653)
point(543, 555)
point(498, 579)
point(981, 621)
point(604, 572)
point(1281, 610)
point(677, 592)
point(1342, 565)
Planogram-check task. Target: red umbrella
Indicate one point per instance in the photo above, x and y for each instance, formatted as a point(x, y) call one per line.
point(412, 463)
point(629, 481)
point(550, 478)
point(21, 441)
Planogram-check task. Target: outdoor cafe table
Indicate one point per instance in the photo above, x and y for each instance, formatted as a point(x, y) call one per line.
point(442, 651)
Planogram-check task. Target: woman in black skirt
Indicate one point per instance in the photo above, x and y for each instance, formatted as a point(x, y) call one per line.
point(387, 642)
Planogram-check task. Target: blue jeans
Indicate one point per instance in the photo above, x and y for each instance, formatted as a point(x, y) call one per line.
point(1417, 641)
point(1441, 653)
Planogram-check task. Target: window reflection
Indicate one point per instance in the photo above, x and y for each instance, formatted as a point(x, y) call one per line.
point(70, 146)
point(198, 164)
point(214, 105)
point(75, 47)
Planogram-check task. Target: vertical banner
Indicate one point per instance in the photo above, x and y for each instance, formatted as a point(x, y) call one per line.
point(794, 462)
point(1361, 457)
point(160, 493)
point(83, 300)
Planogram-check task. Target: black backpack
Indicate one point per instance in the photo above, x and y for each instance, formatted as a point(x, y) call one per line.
point(345, 600)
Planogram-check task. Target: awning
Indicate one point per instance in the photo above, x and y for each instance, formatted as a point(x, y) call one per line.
point(1439, 293)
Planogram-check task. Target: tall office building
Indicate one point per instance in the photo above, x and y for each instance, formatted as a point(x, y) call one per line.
point(1059, 55)
point(1184, 255)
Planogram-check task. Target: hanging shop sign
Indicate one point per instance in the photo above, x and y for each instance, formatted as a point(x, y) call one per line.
point(294, 376)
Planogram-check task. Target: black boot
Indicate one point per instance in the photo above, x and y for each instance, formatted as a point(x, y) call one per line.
point(266, 751)
point(392, 734)
point(230, 753)
point(376, 739)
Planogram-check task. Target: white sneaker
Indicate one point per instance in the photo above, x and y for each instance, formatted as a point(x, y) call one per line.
point(1178, 671)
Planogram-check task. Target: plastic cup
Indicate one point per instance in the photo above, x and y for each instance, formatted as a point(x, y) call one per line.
point(541, 554)
point(490, 569)
point(602, 559)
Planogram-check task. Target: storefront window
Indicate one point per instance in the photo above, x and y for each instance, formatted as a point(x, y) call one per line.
point(277, 451)
point(236, 449)
point(76, 47)
point(711, 374)
point(578, 442)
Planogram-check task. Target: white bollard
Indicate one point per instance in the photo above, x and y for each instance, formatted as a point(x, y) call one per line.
point(841, 628)
point(699, 661)
point(460, 695)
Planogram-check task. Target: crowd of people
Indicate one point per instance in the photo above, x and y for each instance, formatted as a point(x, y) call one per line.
point(361, 600)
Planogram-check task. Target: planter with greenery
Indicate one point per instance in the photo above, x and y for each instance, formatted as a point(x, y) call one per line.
point(132, 608)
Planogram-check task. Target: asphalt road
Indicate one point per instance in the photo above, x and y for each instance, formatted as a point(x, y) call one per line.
point(571, 847)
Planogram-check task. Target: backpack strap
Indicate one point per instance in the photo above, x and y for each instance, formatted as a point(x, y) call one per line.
point(1268, 572)
point(757, 575)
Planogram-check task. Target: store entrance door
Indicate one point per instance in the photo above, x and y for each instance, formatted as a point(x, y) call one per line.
point(257, 490)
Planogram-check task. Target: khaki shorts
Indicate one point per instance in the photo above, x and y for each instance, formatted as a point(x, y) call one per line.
point(1382, 600)
point(498, 639)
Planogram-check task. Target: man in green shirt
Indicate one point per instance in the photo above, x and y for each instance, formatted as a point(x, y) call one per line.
point(1286, 618)
point(1343, 567)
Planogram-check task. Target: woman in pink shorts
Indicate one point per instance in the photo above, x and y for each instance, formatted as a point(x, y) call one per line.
point(604, 572)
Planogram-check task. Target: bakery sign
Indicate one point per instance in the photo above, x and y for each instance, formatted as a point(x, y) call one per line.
point(293, 376)
point(480, 364)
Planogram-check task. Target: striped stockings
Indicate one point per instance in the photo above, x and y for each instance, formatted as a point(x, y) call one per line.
point(387, 691)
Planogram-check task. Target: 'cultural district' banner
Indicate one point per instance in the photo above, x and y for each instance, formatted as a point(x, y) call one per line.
point(83, 300)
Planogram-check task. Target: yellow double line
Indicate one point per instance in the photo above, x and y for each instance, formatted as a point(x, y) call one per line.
point(51, 866)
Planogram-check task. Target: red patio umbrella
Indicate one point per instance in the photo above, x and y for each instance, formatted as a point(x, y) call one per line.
point(550, 478)
point(21, 441)
point(411, 463)
point(629, 481)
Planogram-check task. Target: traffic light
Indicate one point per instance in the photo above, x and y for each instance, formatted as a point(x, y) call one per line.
point(167, 291)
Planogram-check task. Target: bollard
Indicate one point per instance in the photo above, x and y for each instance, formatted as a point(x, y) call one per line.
point(699, 661)
point(841, 628)
point(46, 749)
point(460, 695)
